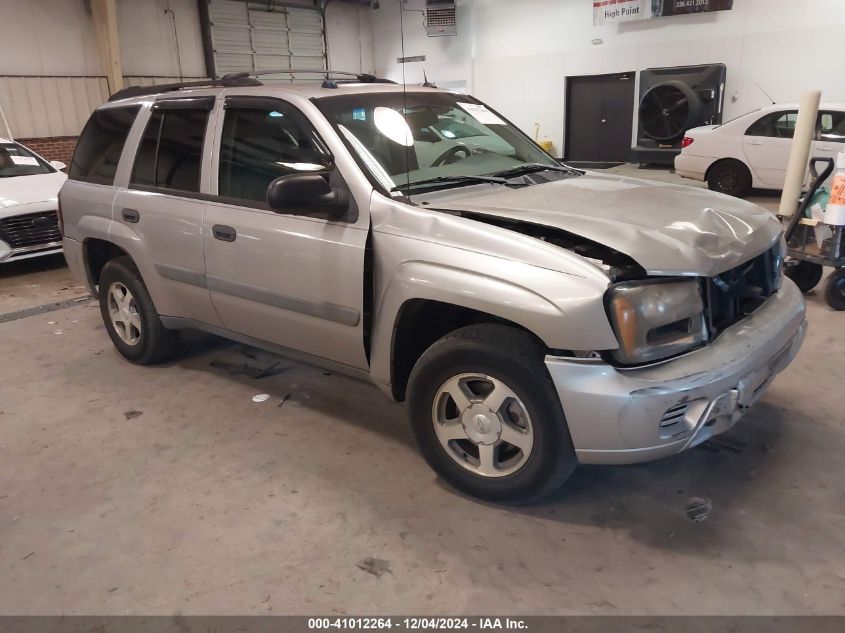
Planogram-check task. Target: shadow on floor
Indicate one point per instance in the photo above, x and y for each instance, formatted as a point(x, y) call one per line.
point(32, 265)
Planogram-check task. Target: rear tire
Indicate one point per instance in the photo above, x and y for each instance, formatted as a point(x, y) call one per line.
point(730, 177)
point(130, 316)
point(806, 275)
point(506, 440)
point(834, 290)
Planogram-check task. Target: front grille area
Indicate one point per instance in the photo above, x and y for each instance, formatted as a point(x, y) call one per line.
point(736, 293)
point(30, 229)
point(674, 414)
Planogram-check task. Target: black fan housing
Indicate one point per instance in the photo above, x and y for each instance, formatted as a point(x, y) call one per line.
point(672, 101)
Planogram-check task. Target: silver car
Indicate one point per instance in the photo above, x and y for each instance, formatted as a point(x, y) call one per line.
point(532, 316)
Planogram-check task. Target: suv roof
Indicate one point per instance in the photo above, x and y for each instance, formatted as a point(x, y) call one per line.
point(302, 90)
point(333, 81)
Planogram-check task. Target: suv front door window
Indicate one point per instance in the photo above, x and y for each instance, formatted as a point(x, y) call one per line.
point(293, 280)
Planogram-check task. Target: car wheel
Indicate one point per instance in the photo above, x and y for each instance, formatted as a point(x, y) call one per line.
point(730, 177)
point(130, 316)
point(487, 417)
point(834, 290)
point(806, 275)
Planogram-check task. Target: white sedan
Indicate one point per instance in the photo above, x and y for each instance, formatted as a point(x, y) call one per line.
point(29, 188)
point(753, 150)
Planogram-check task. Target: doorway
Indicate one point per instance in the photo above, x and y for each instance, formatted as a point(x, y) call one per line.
point(599, 118)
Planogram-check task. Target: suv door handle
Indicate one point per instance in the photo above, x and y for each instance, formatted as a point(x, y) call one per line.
point(825, 148)
point(224, 233)
point(130, 215)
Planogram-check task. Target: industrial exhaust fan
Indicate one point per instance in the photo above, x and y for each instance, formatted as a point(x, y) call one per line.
point(440, 18)
point(672, 101)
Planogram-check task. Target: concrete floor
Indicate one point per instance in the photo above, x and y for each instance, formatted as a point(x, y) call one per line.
point(168, 490)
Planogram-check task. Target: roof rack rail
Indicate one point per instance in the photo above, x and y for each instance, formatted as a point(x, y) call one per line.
point(365, 78)
point(225, 82)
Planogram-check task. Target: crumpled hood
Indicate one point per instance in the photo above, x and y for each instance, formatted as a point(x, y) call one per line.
point(667, 229)
point(21, 190)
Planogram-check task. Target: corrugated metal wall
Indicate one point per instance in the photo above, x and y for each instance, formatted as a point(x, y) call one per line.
point(49, 106)
point(37, 107)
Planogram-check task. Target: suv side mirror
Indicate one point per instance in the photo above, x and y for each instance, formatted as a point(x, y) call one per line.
point(298, 194)
point(57, 164)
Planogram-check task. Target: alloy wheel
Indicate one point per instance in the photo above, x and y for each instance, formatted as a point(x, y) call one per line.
point(482, 425)
point(123, 312)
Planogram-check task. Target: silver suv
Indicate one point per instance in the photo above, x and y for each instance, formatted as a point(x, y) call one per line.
point(532, 316)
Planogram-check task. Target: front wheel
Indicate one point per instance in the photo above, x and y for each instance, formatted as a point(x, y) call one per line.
point(487, 417)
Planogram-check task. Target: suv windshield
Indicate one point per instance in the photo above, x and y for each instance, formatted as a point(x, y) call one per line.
point(16, 160)
point(429, 137)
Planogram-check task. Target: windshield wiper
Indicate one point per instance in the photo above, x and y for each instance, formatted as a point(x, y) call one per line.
point(430, 181)
point(530, 168)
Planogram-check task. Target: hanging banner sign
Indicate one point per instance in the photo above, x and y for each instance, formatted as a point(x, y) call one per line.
point(611, 11)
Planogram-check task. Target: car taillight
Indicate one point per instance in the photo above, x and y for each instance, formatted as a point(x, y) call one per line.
point(687, 141)
point(59, 214)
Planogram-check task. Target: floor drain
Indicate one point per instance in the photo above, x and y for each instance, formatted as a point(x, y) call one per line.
point(50, 307)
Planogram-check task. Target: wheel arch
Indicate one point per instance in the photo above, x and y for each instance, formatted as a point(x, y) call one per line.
point(96, 254)
point(421, 322)
point(728, 159)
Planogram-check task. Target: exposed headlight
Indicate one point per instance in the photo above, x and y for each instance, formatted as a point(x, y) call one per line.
point(5, 250)
point(655, 320)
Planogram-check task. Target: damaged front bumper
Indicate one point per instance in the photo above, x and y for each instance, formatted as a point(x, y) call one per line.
point(636, 415)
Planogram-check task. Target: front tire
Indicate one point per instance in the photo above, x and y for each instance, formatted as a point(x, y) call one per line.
point(487, 417)
point(730, 177)
point(130, 316)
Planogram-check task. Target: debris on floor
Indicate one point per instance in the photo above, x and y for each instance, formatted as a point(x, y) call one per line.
point(375, 566)
point(132, 414)
point(244, 369)
point(698, 509)
point(284, 399)
point(261, 397)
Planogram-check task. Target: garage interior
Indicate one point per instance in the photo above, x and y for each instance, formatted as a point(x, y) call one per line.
point(174, 490)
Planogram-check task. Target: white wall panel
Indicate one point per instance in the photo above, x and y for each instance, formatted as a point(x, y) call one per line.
point(515, 55)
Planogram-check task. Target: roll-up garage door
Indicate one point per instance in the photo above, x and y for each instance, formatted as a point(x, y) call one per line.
point(256, 36)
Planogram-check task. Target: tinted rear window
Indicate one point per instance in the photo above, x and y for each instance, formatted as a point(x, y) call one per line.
point(170, 151)
point(99, 147)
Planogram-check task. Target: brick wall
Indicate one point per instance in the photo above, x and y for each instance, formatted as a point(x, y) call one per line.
point(52, 147)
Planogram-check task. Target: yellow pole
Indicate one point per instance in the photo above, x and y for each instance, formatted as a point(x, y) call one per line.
point(105, 24)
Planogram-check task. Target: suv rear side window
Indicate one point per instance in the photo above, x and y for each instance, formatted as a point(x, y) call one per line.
point(170, 152)
point(98, 150)
point(262, 142)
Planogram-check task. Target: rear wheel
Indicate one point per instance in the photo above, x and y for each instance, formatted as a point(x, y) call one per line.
point(806, 275)
point(834, 290)
point(130, 316)
point(487, 417)
point(730, 177)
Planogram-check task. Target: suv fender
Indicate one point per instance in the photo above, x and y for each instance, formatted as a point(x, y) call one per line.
point(555, 325)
